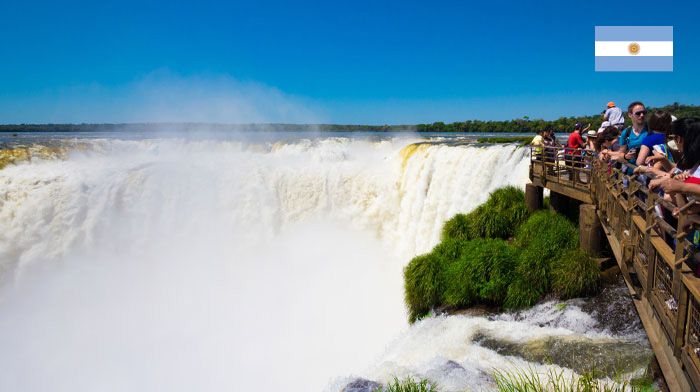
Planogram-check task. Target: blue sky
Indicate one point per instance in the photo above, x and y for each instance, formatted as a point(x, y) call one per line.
point(339, 62)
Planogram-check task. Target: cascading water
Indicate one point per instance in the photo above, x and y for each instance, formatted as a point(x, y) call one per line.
point(210, 264)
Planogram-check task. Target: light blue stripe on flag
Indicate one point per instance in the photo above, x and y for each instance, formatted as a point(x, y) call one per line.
point(634, 33)
point(621, 64)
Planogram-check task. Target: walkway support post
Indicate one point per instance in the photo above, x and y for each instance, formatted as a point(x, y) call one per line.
point(558, 202)
point(591, 235)
point(533, 197)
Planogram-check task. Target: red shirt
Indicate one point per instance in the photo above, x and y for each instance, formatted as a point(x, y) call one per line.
point(575, 141)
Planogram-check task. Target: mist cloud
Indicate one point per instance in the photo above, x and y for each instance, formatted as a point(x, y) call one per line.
point(165, 96)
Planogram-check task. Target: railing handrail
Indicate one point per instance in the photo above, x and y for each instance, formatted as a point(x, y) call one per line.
point(656, 247)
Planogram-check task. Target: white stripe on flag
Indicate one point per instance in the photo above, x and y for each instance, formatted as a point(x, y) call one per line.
point(646, 48)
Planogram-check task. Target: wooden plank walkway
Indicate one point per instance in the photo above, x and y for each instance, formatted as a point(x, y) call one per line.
point(653, 255)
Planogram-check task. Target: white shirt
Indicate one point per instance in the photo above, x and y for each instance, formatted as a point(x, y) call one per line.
point(614, 115)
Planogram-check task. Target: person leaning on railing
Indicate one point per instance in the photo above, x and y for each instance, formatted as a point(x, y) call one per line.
point(550, 143)
point(681, 185)
point(632, 137)
point(591, 139)
point(537, 143)
point(575, 143)
point(607, 143)
point(659, 126)
point(659, 152)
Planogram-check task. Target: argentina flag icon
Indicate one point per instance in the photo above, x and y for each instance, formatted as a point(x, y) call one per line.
point(633, 48)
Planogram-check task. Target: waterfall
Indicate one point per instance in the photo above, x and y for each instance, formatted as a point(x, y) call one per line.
point(226, 264)
point(115, 193)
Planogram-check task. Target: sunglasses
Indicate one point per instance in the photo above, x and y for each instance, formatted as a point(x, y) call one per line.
point(639, 113)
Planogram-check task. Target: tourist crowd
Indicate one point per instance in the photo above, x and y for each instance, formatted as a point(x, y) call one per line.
point(656, 149)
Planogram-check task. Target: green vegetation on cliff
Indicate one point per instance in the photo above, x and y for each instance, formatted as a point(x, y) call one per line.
point(502, 213)
point(500, 255)
point(521, 140)
point(481, 274)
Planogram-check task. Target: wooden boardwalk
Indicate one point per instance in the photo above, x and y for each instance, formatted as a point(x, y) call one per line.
point(653, 252)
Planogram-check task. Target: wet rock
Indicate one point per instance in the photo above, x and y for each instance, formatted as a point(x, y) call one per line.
point(449, 375)
point(452, 365)
point(362, 385)
point(614, 310)
point(599, 357)
point(474, 311)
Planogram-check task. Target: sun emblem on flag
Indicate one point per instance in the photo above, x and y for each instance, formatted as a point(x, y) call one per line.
point(633, 48)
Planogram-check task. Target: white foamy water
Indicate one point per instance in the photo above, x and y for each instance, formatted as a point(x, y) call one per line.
point(447, 349)
point(181, 264)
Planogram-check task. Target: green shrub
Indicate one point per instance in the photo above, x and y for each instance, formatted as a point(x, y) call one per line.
point(490, 223)
point(473, 263)
point(459, 289)
point(574, 274)
point(459, 228)
point(531, 281)
point(506, 197)
point(495, 271)
point(481, 274)
point(520, 140)
point(521, 294)
point(498, 217)
point(533, 268)
point(423, 285)
point(408, 385)
point(450, 250)
point(530, 381)
point(547, 234)
point(502, 213)
point(542, 238)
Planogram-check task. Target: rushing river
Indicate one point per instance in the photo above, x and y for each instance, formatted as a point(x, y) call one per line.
point(209, 262)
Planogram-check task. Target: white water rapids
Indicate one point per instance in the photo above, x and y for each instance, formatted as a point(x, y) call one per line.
point(191, 264)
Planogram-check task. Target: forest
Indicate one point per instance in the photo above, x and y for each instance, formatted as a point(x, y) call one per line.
point(524, 125)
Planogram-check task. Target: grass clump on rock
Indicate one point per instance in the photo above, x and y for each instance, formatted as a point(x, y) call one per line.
point(498, 217)
point(574, 273)
point(408, 385)
point(424, 285)
point(481, 275)
point(547, 231)
point(475, 265)
point(542, 239)
point(529, 380)
point(459, 227)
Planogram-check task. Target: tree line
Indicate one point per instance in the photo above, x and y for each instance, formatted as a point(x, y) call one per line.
point(524, 125)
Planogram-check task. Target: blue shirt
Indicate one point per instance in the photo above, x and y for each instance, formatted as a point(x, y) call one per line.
point(653, 139)
point(634, 141)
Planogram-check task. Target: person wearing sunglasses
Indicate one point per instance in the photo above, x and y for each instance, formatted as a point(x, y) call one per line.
point(632, 137)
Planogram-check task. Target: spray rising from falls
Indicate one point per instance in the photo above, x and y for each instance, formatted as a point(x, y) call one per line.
point(184, 264)
point(125, 191)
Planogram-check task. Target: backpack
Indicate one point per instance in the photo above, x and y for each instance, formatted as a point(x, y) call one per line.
point(626, 138)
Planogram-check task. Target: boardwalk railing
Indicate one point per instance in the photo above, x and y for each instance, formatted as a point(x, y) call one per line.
point(563, 170)
point(653, 243)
